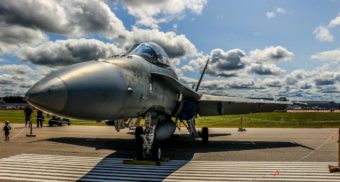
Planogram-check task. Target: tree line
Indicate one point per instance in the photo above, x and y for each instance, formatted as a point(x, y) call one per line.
point(13, 99)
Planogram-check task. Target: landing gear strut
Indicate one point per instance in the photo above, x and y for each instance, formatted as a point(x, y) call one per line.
point(148, 148)
point(191, 126)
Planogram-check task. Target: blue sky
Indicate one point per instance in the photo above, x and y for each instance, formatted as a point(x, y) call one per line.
point(270, 48)
point(243, 24)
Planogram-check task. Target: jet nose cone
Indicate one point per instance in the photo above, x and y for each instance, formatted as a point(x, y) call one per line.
point(49, 94)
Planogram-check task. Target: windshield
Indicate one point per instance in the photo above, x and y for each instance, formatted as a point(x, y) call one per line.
point(146, 52)
point(151, 52)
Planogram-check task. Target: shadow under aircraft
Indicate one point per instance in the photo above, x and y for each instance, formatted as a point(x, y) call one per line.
point(126, 148)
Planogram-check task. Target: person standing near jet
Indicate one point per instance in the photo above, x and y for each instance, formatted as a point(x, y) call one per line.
point(28, 112)
point(40, 118)
point(6, 130)
point(220, 108)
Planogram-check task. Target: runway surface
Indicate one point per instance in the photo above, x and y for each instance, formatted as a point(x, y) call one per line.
point(32, 167)
point(95, 154)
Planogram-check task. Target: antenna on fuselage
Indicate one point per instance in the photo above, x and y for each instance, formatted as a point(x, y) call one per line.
point(199, 81)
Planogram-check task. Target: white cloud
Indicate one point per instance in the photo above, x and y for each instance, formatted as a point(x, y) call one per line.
point(187, 68)
point(174, 27)
point(73, 18)
point(264, 69)
point(66, 52)
point(261, 73)
point(294, 76)
point(270, 54)
point(23, 25)
point(70, 51)
point(235, 62)
point(187, 81)
point(152, 13)
point(334, 22)
point(16, 79)
point(230, 60)
point(278, 11)
point(270, 14)
point(273, 82)
point(312, 83)
point(176, 46)
point(226, 63)
point(323, 34)
point(241, 84)
point(299, 84)
point(331, 55)
point(325, 79)
point(16, 69)
point(13, 37)
point(83, 18)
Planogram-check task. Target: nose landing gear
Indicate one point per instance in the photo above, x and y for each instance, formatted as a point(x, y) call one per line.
point(147, 146)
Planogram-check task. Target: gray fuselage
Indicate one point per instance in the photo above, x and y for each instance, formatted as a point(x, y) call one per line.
point(115, 88)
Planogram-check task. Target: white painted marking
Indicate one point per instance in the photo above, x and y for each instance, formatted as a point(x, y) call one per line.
point(18, 133)
point(35, 167)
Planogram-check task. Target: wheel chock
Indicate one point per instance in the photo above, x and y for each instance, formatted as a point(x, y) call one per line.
point(241, 129)
point(145, 162)
point(333, 168)
point(141, 162)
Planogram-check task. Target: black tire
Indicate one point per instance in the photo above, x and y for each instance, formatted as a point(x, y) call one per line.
point(50, 124)
point(205, 135)
point(60, 124)
point(139, 142)
point(140, 152)
point(138, 132)
point(156, 151)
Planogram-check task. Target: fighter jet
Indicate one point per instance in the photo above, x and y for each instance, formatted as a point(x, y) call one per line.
point(138, 84)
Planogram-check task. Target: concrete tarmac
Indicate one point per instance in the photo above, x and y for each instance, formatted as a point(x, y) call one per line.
point(225, 144)
point(96, 153)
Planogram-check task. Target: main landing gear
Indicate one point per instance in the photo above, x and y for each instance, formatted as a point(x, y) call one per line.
point(191, 127)
point(205, 135)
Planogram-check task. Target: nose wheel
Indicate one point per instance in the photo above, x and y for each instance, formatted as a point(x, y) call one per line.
point(144, 154)
point(156, 151)
point(147, 146)
point(155, 154)
point(139, 142)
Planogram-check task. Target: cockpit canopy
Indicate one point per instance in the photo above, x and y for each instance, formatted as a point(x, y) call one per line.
point(151, 52)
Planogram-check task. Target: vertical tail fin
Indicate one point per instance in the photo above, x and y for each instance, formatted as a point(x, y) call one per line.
point(199, 81)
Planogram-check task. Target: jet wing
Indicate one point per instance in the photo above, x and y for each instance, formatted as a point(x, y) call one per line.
point(220, 105)
point(187, 92)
